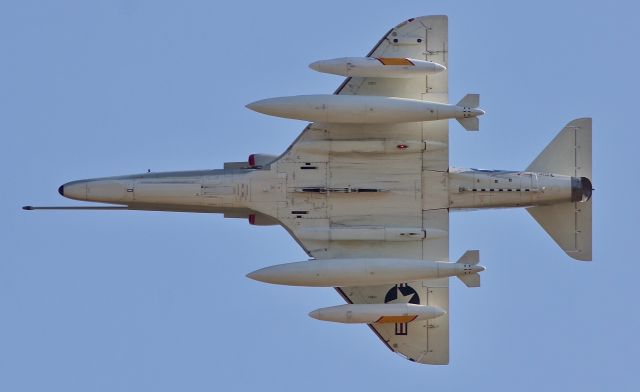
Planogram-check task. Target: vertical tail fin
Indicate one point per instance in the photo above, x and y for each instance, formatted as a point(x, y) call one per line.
point(569, 224)
point(569, 153)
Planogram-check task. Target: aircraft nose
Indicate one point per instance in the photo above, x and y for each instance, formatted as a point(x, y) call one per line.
point(74, 190)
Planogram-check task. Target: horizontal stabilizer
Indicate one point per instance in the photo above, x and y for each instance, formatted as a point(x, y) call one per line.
point(569, 153)
point(469, 123)
point(470, 101)
point(569, 224)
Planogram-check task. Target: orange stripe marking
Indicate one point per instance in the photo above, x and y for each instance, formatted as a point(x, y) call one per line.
point(396, 319)
point(394, 61)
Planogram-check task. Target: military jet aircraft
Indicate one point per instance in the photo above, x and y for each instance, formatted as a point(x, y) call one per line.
point(366, 190)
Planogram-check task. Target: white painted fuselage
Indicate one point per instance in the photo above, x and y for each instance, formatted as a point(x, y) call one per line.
point(264, 190)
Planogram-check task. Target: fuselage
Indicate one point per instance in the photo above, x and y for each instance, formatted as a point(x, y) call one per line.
point(263, 189)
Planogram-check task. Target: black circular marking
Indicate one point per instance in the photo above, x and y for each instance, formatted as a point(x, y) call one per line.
point(405, 290)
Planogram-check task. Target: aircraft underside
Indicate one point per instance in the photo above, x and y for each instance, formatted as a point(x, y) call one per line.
point(366, 190)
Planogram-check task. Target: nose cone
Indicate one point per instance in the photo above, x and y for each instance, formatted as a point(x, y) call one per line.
point(477, 268)
point(438, 67)
point(437, 312)
point(98, 189)
point(333, 66)
point(253, 106)
point(287, 107)
point(255, 275)
point(266, 275)
point(315, 314)
point(477, 112)
point(263, 106)
point(74, 190)
point(316, 66)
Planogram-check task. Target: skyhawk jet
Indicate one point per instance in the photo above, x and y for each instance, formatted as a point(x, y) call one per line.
point(366, 190)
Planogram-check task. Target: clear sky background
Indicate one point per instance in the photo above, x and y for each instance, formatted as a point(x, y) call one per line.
point(148, 301)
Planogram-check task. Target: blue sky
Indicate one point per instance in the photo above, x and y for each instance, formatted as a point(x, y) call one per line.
point(130, 301)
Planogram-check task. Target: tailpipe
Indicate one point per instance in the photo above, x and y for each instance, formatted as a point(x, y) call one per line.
point(581, 189)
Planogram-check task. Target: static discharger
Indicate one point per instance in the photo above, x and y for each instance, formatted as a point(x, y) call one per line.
point(378, 67)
